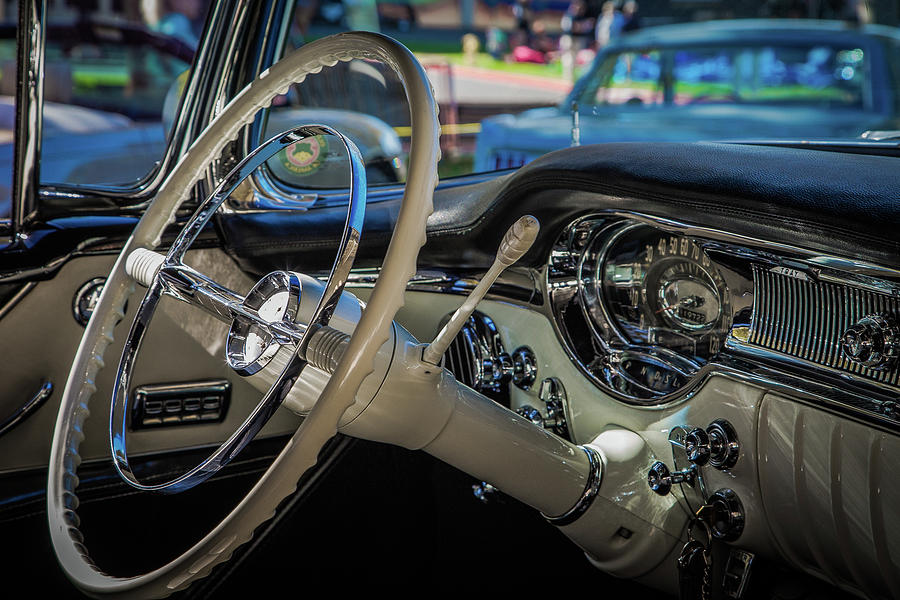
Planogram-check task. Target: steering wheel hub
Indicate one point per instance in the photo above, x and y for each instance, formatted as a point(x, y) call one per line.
point(275, 298)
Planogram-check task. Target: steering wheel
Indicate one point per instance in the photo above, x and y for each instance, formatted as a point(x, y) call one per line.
point(357, 362)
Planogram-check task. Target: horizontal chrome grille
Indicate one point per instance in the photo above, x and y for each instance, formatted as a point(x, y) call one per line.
point(806, 319)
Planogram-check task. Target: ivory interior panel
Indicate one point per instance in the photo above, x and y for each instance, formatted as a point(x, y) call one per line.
point(832, 502)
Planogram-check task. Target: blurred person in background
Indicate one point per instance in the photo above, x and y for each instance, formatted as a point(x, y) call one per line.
point(577, 34)
point(609, 25)
point(631, 19)
point(524, 17)
point(182, 19)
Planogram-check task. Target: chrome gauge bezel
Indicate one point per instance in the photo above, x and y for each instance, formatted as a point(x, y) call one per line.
point(583, 343)
point(618, 349)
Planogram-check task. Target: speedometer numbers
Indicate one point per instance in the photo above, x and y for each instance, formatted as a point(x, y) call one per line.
point(662, 293)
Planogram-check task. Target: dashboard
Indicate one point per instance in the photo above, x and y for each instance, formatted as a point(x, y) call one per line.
point(731, 310)
point(648, 325)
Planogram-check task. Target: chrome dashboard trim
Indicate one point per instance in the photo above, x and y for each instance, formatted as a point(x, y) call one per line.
point(852, 266)
point(864, 402)
point(591, 487)
point(873, 403)
point(27, 409)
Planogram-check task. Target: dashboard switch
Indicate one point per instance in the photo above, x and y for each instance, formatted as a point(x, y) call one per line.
point(717, 445)
point(553, 395)
point(660, 479)
point(874, 342)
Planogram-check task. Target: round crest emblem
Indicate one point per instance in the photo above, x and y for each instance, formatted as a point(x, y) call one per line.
point(305, 156)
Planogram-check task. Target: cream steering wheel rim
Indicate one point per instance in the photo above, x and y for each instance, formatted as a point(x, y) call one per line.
point(371, 332)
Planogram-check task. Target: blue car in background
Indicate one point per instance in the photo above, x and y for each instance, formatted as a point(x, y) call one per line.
point(718, 80)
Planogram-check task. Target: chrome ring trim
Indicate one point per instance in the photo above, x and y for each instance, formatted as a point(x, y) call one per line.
point(173, 268)
point(591, 488)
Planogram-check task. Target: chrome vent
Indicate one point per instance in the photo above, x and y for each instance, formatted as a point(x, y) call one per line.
point(805, 319)
point(461, 356)
point(476, 358)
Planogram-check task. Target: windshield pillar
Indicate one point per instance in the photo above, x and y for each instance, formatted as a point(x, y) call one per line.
point(30, 39)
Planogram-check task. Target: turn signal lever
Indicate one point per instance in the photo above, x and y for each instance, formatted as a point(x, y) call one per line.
point(515, 244)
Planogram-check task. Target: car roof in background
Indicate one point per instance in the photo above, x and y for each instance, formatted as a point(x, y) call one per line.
point(736, 31)
point(104, 32)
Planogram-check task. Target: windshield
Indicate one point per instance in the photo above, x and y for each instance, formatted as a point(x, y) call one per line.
point(516, 79)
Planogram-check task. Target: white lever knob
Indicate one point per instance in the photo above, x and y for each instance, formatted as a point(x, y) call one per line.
point(513, 246)
point(143, 264)
point(518, 240)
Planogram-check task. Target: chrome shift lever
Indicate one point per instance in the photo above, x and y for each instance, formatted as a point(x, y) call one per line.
point(513, 246)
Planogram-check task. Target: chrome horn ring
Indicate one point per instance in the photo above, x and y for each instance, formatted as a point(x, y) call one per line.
point(174, 278)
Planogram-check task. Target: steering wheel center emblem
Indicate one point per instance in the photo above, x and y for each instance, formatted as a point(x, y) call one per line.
point(275, 299)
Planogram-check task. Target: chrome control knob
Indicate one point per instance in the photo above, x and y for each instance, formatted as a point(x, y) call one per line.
point(660, 479)
point(726, 515)
point(524, 367)
point(697, 446)
point(874, 342)
point(717, 445)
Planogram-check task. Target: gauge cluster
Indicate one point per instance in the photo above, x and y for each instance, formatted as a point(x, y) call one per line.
point(647, 306)
point(658, 304)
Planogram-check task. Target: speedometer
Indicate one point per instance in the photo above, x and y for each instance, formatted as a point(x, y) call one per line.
point(662, 290)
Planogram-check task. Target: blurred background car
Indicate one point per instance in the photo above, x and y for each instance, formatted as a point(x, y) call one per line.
point(770, 79)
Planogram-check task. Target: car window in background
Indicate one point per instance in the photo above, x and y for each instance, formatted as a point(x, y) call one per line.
point(820, 74)
point(104, 90)
point(817, 75)
point(106, 79)
point(634, 79)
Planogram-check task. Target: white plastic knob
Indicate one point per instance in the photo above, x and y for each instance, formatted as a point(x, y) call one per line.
point(518, 240)
point(143, 264)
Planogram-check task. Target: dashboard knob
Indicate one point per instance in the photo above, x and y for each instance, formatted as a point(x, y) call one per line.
point(716, 445)
point(524, 367)
point(697, 446)
point(874, 342)
point(727, 515)
point(660, 479)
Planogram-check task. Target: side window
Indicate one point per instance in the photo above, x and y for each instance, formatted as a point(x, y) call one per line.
point(104, 91)
point(703, 75)
point(799, 74)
